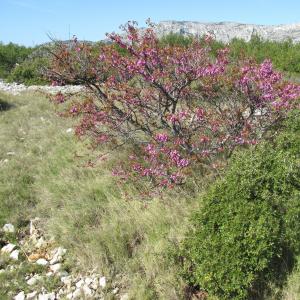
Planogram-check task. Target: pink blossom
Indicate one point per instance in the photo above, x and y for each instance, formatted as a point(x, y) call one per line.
point(161, 137)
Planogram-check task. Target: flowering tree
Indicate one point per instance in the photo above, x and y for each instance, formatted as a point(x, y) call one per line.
point(178, 105)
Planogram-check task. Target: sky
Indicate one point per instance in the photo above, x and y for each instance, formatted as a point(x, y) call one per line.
point(31, 22)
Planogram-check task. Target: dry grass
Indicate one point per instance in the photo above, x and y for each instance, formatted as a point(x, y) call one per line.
point(130, 241)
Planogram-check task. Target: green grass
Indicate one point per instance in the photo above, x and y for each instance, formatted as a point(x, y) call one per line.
point(126, 238)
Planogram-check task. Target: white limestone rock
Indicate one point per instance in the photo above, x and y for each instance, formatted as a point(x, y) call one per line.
point(77, 294)
point(79, 283)
point(9, 228)
point(42, 262)
point(8, 248)
point(20, 296)
point(57, 255)
point(32, 295)
point(226, 31)
point(102, 282)
point(66, 280)
point(69, 296)
point(34, 279)
point(87, 291)
point(14, 255)
point(49, 296)
point(124, 297)
point(55, 268)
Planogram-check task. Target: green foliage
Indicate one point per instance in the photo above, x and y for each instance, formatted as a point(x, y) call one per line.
point(10, 55)
point(173, 39)
point(103, 226)
point(250, 220)
point(285, 55)
point(22, 64)
point(29, 72)
point(16, 62)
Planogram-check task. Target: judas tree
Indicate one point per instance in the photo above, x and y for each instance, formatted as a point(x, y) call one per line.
point(178, 106)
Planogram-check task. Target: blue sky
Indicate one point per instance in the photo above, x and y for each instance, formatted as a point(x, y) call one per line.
point(28, 22)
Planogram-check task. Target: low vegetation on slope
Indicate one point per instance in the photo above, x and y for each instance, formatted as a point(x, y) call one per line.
point(216, 222)
point(10, 55)
point(247, 232)
point(23, 64)
point(45, 173)
point(112, 229)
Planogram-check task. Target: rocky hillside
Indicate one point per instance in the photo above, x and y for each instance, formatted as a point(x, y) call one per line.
point(226, 31)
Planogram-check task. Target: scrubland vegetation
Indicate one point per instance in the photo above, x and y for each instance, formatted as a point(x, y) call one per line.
point(220, 156)
point(23, 64)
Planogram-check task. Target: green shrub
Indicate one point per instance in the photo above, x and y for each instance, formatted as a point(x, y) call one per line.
point(249, 224)
point(285, 55)
point(10, 55)
point(175, 39)
point(29, 72)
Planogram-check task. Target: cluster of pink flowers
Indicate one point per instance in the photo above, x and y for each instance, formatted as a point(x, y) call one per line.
point(177, 105)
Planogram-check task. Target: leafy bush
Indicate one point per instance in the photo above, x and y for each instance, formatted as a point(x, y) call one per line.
point(178, 106)
point(249, 224)
point(10, 55)
point(174, 39)
point(285, 55)
point(29, 72)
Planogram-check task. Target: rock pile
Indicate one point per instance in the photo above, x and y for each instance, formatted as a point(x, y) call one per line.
point(36, 249)
point(16, 89)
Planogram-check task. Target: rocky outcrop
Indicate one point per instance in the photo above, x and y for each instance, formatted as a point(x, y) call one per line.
point(54, 279)
point(226, 31)
point(15, 88)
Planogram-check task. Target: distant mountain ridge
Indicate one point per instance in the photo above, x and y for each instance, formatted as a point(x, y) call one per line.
point(226, 31)
point(221, 31)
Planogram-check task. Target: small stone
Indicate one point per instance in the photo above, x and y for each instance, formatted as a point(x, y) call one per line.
point(9, 228)
point(115, 290)
point(80, 283)
point(14, 255)
point(87, 291)
point(50, 296)
point(102, 282)
point(57, 255)
point(62, 273)
point(67, 280)
point(49, 274)
point(55, 268)
point(55, 259)
point(124, 297)
point(11, 153)
point(20, 296)
point(77, 294)
point(60, 292)
point(94, 284)
point(42, 262)
point(8, 248)
point(88, 280)
point(69, 296)
point(33, 280)
point(69, 130)
point(40, 242)
point(31, 296)
point(33, 226)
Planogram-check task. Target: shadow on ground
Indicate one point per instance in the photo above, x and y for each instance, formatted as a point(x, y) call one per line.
point(4, 105)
